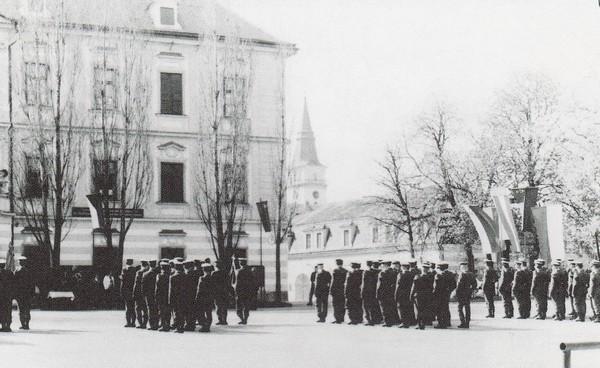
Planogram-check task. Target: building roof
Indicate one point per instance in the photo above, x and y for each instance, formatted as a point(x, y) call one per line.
point(346, 210)
point(194, 16)
point(305, 151)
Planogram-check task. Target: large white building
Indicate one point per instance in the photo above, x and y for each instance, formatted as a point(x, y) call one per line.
point(174, 29)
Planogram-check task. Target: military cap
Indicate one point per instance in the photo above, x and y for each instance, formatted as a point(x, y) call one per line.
point(144, 262)
point(571, 261)
point(540, 262)
point(405, 264)
point(339, 262)
point(579, 263)
point(207, 260)
point(595, 263)
point(129, 261)
point(163, 264)
point(355, 265)
point(21, 258)
point(387, 263)
point(556, 263)
point(375, 264)
point(412, 262)
point(369, 263)
point(206, 265)
point(179, 259)
point(197, 262)
point(188, 262)
point(426, 264)
point(519, 263)
point(464, 263)
point(505, 262)
point(489, 261)
point(443, 263)
point(153, 262)
point(165, 260)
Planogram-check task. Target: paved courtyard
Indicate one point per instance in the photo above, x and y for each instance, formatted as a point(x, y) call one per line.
point(291, 338)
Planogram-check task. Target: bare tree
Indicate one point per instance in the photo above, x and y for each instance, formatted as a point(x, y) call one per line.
point(403, 203)
point(120, 154)
point(49, 163)
point(224, 139)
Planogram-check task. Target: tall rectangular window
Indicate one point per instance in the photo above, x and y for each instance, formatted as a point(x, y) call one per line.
point(37, 89)
point(375, 238)
point(308, 241)
point(171, 182)
point(346, 238)
point(234, 96)
point(105, 179)
point(104, 86)
point(34, 184)
point(235, 182)
point(171, 94)
point(319, 239)
point(167, 16)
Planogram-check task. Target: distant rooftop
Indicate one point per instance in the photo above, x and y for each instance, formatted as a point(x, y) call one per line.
point(346, 210)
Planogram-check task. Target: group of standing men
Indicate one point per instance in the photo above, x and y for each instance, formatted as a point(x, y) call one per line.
point(386, 293)
point(179, 294)
point(573, 283)
point(19, 286)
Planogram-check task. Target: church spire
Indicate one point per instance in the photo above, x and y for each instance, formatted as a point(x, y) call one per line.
point(306, 150)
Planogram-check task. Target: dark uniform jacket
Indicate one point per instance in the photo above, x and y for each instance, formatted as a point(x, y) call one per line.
point(7, 286)
point(177, 289)
point(404, 286)
point(521, 283)
point(353, 284)
point(222, 288)
point(387, 285)
point(338, 282)
point(581, 283)
point(506, 280)
point(246, 285)
point(162, 288)
point(422, 286)
point(490, 277)
point(369, 284)
point(24, 283)
point(149, 283)
point(322, 283)
point(444, 284)
point(205, 294)
point(559, 284)
point(540, 282)
point(466, 284)
point(128, 279)
point(137, 285)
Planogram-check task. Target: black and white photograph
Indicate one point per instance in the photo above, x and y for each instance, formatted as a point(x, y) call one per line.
point(299, 183)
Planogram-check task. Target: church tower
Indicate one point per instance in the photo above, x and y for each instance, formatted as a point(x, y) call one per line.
point(308, 185)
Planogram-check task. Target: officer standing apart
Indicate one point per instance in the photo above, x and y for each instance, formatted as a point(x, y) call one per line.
point(6, 296)
point(505, 288)
point(521, 289)
point(246, 287)
point(353, 298)
point(594, 289)
point(422, 296)
point(127, 281)
point(337, 291)
point(322, 285)
point(580, 288)
point(465, 286)
point(539, 288)
point(24, 292)
point(141, 308)
point(559, 284)
point(490, 278)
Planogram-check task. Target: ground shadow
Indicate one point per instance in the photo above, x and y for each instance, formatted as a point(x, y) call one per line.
point(51, 332)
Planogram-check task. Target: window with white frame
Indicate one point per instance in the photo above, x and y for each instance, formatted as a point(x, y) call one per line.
point(105, 91)
point(167, 16)
point(234, 92)
point(37, 89)
point(319, 240)
point(308, 241)
point(375, 234)
point(346, 238)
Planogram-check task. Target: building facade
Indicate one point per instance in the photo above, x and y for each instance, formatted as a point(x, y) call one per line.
point(176, 68)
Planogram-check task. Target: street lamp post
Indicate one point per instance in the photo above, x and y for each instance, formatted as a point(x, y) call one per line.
point(11, 143)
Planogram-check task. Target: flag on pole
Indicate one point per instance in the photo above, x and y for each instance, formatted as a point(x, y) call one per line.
point(485, 227)
point(95, 204)
point(506, 223)
point(355, 232)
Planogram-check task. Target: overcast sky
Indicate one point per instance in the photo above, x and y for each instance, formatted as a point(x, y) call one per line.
point(367, 67)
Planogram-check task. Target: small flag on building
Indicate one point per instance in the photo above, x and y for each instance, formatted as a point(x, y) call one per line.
point(96, 213)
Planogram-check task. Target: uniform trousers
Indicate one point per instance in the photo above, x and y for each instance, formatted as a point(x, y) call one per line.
point(580, 307)
point(489, 298)
point(243, 307)
point(355, 310)
point(152, 311)
point(24, 303)
point(322, 301)
point(524, 304)
point(509, 310)
point(542, 305)
point(464, 311)
point(559, 303)
point(339, 307)
point(141, 311)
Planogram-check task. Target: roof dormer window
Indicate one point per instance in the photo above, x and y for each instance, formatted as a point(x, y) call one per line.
point(167, 16)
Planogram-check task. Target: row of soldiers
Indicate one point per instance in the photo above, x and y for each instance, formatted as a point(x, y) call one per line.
point(179, 294)
point(388, 293)
point(572, 282)
point(19, 286)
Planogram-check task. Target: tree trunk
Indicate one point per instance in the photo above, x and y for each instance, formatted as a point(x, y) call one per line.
point(278, 271)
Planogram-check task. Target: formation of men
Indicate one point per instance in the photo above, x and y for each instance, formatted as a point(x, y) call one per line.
point(19, 286)
point(388, 293)
point(181, 294)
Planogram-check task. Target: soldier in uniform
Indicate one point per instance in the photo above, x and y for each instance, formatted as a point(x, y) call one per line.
point(404, 287)
point(505, 288)
point(311, 293)
point(490, 278)
point(571, 273)
point(222, 291)
point(205, 299)
point(594, 289)
point(445, 283)
point(141, 308)
point(415, 271)
point(539, 288)
point(162, 296)
point(149, 292)
point(322, 285)
point(246, 287)
point(337, 291)
point(189, 294)
point(580, 288)
point(6, 296)
point(559, 285)
point(521, 288)
point(127, 281)
point(465, 286)
point(369, 292)
point(24, 292)
point(352, 292)
point(385, 293)
point(177, 296)
point(422, 295)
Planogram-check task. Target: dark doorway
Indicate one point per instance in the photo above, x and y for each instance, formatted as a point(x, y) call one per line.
point(172, 252)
